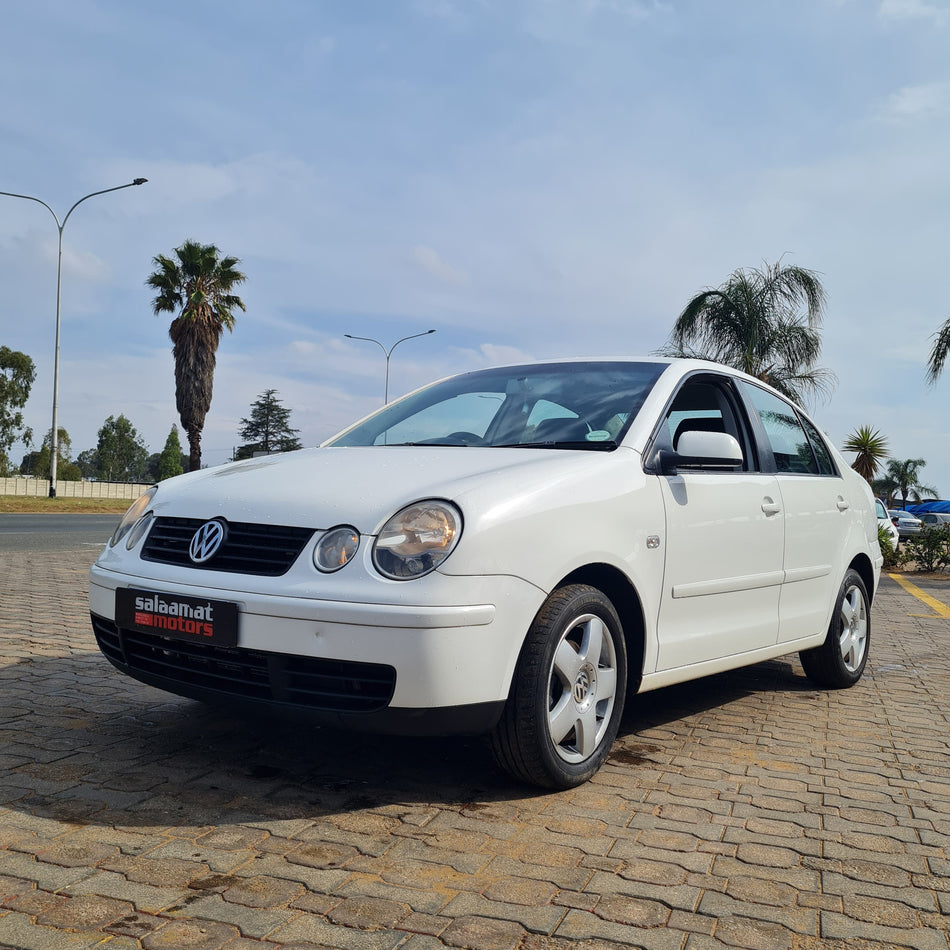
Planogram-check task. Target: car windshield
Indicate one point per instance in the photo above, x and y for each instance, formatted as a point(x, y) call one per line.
point(574, 405)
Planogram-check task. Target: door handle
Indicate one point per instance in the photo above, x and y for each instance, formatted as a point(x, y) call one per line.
point(842, 504)
point(770, 507)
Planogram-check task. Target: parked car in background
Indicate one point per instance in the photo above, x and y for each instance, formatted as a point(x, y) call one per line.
point(884, 521)
point(934, 519)
point(908, 525)
point(510, 551)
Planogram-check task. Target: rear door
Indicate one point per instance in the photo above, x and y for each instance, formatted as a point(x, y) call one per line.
point(816, 514)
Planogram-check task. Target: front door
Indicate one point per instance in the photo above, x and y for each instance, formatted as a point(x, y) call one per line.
point(725, 538)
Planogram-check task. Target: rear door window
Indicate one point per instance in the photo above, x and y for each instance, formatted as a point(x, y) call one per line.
point(791, 447)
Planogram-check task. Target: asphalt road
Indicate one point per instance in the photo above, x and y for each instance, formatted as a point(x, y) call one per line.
point(55, 532)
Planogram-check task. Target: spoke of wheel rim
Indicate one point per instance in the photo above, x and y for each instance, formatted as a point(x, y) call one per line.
point(562, 719)
point(606, 684)
point(853, 625)
point(847, 612)
point(847, 649)
point(593, 641)
point(567, 663)
point(586, 731)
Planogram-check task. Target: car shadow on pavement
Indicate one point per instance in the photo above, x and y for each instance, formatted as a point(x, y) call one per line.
point(677, 702)
point(81, 743)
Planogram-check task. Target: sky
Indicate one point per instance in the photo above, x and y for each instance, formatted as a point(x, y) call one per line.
point(532, 179)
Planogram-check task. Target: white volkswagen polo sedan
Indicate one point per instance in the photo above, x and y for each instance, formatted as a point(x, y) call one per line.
point(510, 552)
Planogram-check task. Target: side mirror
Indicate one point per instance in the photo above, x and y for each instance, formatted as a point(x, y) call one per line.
point(702, 451)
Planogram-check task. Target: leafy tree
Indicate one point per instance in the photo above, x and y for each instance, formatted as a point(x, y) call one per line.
point(68, 472)
point(268, 428)
point(122, 455)
point(88, 462)
point(153, 462)
point(871, 451)
point(17, 373)
point(197, 286)
point(170, 461)
point(38, 463)
point(28, 465)
point(764, 322)
point(906, 477)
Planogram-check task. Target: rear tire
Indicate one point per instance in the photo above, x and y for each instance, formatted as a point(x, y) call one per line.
point(567, 694)
point(839, 662)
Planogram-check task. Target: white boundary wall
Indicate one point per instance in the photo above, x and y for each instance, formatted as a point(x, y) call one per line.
point(39, 487)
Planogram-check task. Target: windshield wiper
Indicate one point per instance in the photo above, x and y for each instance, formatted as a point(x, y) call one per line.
point(579, 444)
point(604, 446)
point(428, 443)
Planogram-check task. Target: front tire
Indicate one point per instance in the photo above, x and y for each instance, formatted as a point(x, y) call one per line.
point(839, 662)
point(567, 696)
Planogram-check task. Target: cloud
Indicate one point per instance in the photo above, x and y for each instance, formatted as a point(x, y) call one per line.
point(914, 10)
point(918, 102)
point(430, 261)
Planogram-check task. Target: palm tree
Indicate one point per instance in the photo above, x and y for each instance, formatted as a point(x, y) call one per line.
point(886, 489)
point(197, 287)
point(939, 353)
point(871, 449)
point(906, 477)
point(764, 322)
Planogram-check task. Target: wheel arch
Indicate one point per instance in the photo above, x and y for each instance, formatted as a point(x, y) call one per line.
point(615, 585)
point(862, 564)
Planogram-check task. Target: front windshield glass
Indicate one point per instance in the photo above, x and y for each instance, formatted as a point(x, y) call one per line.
point(547, 405)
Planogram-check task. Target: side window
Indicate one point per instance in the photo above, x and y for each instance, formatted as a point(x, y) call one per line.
point(706, 407)
point(790, 445)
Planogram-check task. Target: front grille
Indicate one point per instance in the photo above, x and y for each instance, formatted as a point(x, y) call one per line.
point(309, 682)
point(263, 549)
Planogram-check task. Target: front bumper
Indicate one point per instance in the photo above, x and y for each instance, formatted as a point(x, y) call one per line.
point(424, 669)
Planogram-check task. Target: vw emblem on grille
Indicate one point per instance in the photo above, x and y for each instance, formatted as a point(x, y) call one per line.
point(206, 541)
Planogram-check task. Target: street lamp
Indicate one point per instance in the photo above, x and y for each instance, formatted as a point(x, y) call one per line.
point(388, 352)
point(54, 439)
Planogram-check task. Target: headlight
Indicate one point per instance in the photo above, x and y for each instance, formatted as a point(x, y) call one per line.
point(139, 530)
point(135, 512)
point(417, 539)
point(336, 548)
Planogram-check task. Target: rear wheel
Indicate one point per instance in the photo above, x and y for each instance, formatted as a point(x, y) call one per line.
point(567, 696)
point(839, 662)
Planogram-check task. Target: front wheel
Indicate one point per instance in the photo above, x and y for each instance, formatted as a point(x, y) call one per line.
point(839, 662)
point(566, 699)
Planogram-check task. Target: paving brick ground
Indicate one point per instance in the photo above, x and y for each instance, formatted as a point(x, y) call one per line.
point(748, 810)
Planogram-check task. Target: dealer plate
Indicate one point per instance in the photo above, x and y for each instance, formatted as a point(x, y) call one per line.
point(173, 615)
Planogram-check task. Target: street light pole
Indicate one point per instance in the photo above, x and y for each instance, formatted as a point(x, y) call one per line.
point(54, 438)
point(388, 352)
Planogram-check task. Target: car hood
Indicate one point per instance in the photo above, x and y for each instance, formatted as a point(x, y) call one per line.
point(362, 486)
